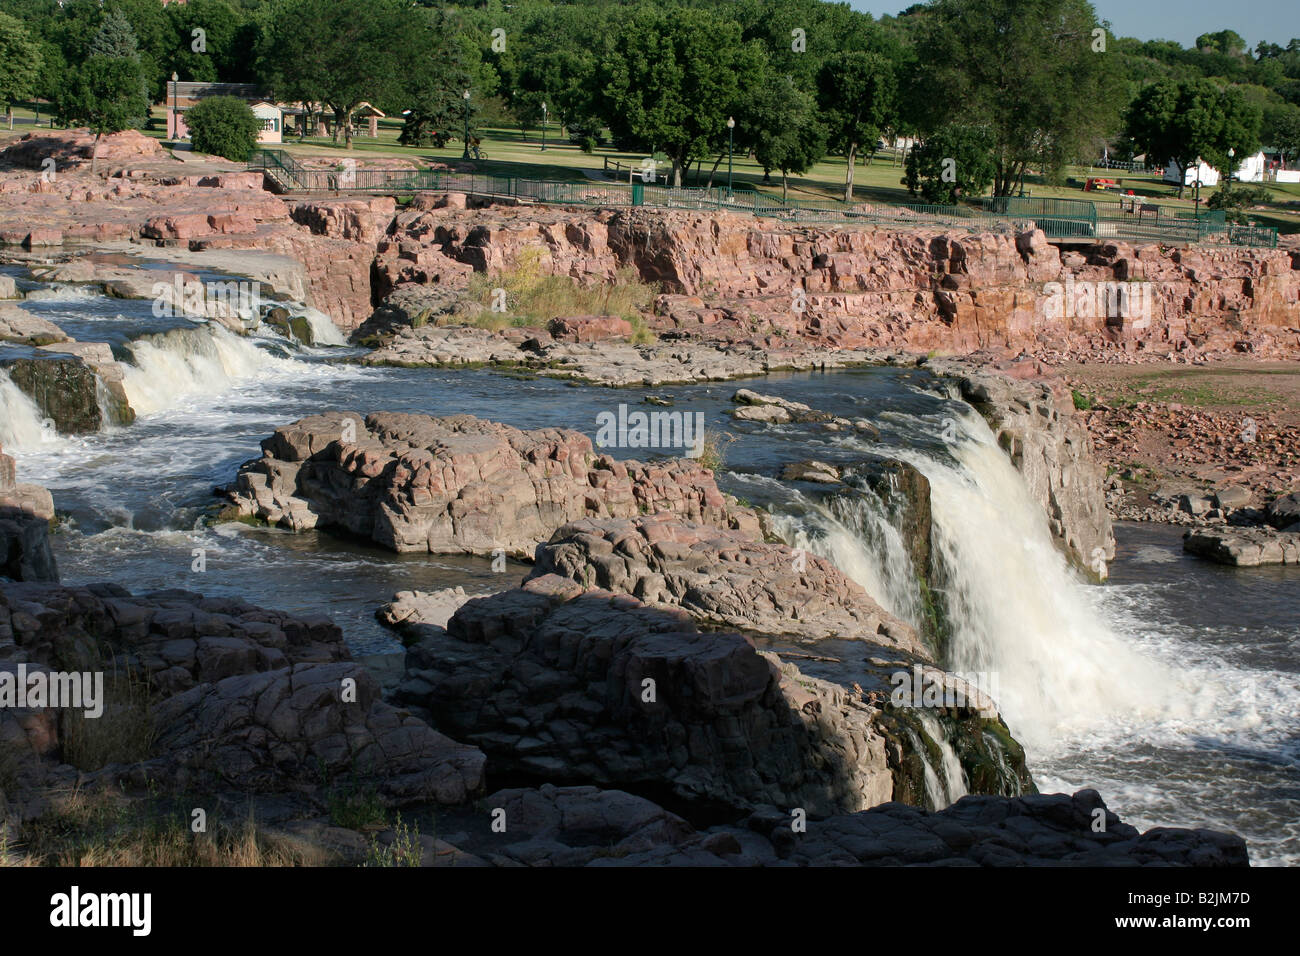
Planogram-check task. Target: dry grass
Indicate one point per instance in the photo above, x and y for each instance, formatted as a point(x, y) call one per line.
point(534, 297)
point(82, 829)
point(713, 453)
point(123, 733)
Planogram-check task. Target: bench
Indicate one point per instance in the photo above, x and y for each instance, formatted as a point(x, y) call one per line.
point(1128, 204)
point(1147, 209)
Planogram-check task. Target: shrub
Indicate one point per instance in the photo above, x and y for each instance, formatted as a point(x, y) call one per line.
point(223, 126)
point(588, 144)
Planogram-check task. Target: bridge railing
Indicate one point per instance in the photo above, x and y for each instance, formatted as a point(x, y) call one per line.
point(1058, 218)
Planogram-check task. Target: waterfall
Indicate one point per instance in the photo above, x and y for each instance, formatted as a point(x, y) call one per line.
point(323, 329)
point(169, 367)
point(858, 535)
point(21, 423)
point(954, 777)
point(1016, 608)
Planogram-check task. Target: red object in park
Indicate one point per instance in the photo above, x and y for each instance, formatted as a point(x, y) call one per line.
point(1092, 184)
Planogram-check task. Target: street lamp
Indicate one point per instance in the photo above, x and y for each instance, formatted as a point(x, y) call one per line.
point(1231, 153)
point(543, 127)
point(731, 143)
point(466, 96)
point(176, 120)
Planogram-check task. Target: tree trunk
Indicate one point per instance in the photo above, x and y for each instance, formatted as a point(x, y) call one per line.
point(677, 172)
point(338, 123)
point(347, 128)
point(713, 171)
point(785, 187)
point(848, 176)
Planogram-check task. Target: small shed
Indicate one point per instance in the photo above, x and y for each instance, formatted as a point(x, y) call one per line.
point(372, 113)
point(271, 122)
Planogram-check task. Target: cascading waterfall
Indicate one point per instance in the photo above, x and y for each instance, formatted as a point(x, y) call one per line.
point(1016, 609)
point(954, 777)
point(187, 362)
point(858, 535)
point(21, 423)
point(1015, 606)
point(323, 329)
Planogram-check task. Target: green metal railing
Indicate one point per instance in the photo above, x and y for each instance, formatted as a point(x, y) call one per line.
point(1057, 218)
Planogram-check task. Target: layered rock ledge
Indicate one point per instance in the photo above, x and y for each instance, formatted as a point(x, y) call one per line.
point(569, 685)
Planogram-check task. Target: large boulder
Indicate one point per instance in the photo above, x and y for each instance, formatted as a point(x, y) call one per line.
point(459, 484)
point(587, 826)
point(587, 686)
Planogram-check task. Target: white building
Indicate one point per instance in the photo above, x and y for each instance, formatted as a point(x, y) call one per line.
point(1251, 170)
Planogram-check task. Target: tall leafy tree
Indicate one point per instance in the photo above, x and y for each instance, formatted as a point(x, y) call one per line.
point(342, 52)
point(788, 135)
point(859, 98)
point(674, 75)
point(1181, 122)
point(107, 94)
point(20, 63)
point(1029, 71)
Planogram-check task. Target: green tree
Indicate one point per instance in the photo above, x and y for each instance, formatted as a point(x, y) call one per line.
point(205, 41)
point(1281, 130)
point(674, 75)
point(223, 126)
point(20, 63)
point(859, 96)
point(106, 94)
point(115, 37)
point(787, 135)
point(1029, 71)
point(342, 52)
point(1181, 122)
point(955, 161)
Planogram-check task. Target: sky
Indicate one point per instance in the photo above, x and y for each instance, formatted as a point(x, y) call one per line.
point(1274, 21)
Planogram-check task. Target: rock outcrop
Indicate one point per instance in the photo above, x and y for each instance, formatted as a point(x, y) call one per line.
point(587, 826)
point(1035, 424)
point(25, 515)
point(233, 696)
point(459, 484)
point(576, 686)
point(722, 577)
point(1244, 547)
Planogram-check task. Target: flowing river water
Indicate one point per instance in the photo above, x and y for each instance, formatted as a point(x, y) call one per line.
point(1174, 688)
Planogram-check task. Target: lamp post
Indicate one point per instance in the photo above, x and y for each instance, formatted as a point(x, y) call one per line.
point(731, 143)
point(176, 119)
point(466, 97)
point(543, 127)
point(1231, 153)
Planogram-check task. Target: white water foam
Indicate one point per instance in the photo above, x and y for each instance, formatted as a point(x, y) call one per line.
point(184, 363)
point(22, 426)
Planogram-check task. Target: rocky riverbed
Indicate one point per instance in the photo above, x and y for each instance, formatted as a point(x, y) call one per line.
point(693, 662)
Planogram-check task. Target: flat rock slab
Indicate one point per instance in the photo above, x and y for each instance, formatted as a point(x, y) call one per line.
point(1245, 547)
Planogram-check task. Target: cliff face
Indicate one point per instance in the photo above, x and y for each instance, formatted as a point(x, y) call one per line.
point(738, 278)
